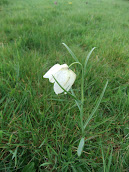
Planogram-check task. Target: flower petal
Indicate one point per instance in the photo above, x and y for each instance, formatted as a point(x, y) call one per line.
point(62, 77)
point(51, 79)
point(72, 77)
point(66, 78)
point(53, 70)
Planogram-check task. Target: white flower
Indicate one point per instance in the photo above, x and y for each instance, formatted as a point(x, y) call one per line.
point(63, 75)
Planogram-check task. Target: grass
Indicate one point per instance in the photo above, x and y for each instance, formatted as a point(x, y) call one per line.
point(39, 130)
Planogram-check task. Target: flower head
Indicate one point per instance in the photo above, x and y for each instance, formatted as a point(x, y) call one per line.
point(63, 75)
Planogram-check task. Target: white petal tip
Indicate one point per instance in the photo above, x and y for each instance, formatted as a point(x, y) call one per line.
point(44, 76)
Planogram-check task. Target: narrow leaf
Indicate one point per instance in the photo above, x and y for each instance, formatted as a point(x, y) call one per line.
point(80, 147)
point(97, 105)
point(72, 54)
point(87, 58)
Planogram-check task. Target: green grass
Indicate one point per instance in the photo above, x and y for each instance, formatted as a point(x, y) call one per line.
point(39, 131)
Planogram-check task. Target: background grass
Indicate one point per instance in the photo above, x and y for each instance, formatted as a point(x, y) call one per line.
point(39, 131)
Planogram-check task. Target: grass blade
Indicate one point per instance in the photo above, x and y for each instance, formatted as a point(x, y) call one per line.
point(110, 160)
point(29, 167)
point(1, 135)
point(97, 105)
point(104, 163)
point(45, 164)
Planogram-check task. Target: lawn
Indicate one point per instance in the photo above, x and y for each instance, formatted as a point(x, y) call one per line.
point(39, 130)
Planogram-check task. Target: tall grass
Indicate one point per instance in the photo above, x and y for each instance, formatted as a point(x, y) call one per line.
point(38, 130)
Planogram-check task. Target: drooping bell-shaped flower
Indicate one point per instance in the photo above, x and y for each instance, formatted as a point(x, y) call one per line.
point(63, 75)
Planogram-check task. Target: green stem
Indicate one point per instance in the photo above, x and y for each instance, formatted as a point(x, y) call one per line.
point(82, 101)
point(82, 97)
point(77, 102)
point(75, 63)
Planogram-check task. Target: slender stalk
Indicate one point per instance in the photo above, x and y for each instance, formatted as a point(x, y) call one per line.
point(77, 103)
point(75, 63)
point(82, 101)
point(82, 97)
